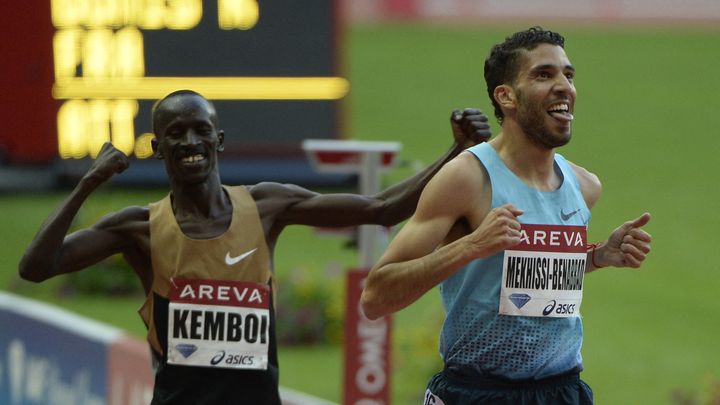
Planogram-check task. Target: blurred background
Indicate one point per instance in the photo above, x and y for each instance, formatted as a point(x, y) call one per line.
point(75, 74)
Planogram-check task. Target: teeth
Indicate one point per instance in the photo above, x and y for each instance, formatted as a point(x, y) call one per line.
point(560, 107)
point(192, 159)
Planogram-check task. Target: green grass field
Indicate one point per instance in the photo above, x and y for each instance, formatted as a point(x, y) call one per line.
point(646, 123)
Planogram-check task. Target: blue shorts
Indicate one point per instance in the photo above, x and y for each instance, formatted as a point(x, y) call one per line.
point(447, 389)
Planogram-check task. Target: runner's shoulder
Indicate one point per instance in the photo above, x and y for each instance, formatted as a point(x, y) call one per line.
point(274, 190)
point(462, 180)
point(584, 175)
point(590, 184)
point(130, 219)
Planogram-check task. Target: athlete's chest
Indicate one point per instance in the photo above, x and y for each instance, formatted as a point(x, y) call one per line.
point(195, 227)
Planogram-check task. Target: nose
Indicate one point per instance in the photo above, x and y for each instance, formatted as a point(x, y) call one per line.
point(564, 85)
point(190, 137)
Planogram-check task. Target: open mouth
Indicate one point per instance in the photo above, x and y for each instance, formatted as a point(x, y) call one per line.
point(561, 111)
point(192, 159)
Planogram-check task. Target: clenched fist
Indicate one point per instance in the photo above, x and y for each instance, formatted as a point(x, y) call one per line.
point(108, 162)
point(470, 127)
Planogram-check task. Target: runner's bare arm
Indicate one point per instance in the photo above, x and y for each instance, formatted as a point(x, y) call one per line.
point(412, 265)
point(628, 245)
point(51, 252)
point(397, 202)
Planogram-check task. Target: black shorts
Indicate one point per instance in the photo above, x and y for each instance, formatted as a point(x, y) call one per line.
point(445, 388)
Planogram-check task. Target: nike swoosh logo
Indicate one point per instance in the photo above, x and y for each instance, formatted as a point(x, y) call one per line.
point(229, 260)
point(565, 216)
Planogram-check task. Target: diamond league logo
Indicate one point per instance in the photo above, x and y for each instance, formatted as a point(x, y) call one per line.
point(519, 299)
point(186, 349)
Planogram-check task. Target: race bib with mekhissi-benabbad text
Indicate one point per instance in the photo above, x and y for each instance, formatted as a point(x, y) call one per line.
point(543, 274)
point(214, 323)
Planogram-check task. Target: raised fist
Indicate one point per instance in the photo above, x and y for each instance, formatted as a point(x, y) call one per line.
point(108, 162)
point(470, 127)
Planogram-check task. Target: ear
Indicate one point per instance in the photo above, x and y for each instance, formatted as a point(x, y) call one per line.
point(221, 141)
point(505, 96)
point(156, 151)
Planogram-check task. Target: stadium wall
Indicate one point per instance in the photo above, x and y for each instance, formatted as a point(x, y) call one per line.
point(603, 11)
point(49, 356)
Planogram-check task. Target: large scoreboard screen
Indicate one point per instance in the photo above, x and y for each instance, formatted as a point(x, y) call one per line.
point(78, 73)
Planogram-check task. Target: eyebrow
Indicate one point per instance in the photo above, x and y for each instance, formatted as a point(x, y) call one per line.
point(549, 66)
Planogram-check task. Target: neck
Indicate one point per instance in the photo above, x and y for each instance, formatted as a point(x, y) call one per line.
point(205, 199)
point(532, 163)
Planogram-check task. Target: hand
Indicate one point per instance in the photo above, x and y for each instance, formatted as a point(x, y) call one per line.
point(627, 246)
point(498, 231)
point(108, 162)
point(470, 127)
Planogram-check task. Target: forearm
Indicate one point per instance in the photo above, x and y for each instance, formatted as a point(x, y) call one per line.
point(42, 257)
point(400, 200)
point(393, 286)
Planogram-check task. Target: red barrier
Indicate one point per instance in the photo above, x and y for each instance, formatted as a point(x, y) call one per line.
point(367, 350)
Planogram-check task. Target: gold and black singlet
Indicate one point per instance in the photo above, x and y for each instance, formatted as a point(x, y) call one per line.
point(210, 313)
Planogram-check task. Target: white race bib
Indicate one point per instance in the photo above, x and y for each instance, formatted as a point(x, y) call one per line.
point(214, 323)
point(543, 275)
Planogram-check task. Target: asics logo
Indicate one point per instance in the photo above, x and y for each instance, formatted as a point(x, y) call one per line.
point(569, 215)
point(217, 358)
point(229, 260)
point(549, 308)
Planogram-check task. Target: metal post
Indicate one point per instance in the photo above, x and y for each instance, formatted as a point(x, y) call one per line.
point(367, 343)
point(369, 179)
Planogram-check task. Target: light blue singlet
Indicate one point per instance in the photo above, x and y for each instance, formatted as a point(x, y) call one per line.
point(475, 339)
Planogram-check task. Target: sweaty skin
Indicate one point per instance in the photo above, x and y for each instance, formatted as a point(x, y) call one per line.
point(188, 141)
point(454, 223)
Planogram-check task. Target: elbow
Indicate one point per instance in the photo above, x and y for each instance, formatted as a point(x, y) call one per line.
point(369, 306)
point(372, 306)
point(30, 276)
point(376, 299)
point(28, 272)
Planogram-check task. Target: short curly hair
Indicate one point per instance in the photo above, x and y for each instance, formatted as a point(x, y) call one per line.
point(501, 66)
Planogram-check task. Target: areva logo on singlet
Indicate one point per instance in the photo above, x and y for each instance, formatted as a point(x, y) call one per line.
point(213, 323)
point(543, 274)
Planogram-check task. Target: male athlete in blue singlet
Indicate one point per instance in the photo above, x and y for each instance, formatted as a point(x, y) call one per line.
point(502, 230)
point(204, 253)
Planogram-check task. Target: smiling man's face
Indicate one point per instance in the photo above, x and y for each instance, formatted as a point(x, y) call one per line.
point(545, 96)
point(187, 137)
